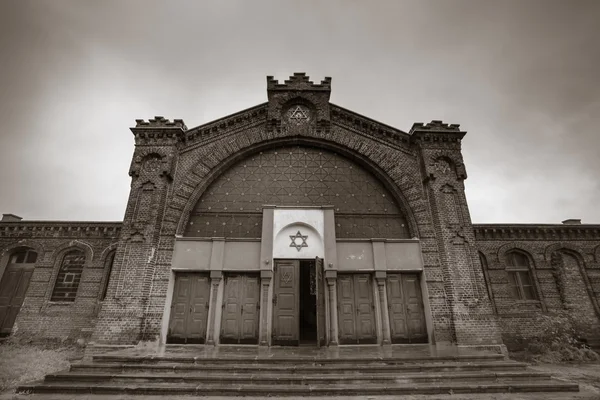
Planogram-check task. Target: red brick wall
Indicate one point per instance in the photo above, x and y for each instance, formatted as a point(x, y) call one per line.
point(40, 318)
point(569, 284)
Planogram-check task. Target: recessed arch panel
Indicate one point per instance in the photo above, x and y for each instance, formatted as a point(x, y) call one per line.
point(297, 175)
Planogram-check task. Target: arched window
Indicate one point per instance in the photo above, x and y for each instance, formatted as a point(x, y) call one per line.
point(25, 256)
point(519, 276)
point(69, 276)
point(109, 264)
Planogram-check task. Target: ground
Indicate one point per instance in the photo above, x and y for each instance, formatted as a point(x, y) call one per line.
point(24, 363)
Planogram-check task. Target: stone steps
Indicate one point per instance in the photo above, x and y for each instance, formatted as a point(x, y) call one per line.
point(253, 375)
point(295, 361)
point(299, 369)
point(299, 390)
point(304, 379)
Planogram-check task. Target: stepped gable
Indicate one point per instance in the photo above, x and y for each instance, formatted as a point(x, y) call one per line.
point(298, 81)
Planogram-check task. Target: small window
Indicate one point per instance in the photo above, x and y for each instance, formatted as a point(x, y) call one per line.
point(69, 276)
point(519, 276)
point(24, 257)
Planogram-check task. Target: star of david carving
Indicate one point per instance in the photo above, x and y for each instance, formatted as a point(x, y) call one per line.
point(298, 236)
point(298, 114)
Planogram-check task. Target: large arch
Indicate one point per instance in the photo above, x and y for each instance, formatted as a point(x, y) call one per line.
point(363, 161)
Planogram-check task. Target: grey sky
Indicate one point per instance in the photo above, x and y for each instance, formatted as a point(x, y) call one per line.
point(522, 77)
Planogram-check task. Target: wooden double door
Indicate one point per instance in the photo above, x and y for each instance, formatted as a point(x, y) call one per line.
point(356, 309)
point(13, 286)
point(405, 306)
point(298, 303)
point(189, 308)
point(241, 309)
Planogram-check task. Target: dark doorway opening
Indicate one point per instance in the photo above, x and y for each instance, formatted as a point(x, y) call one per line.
point(308, 302)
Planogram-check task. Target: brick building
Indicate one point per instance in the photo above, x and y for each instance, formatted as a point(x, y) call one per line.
point(296, 222)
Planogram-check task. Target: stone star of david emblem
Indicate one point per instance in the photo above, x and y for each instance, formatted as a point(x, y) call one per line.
point(301, 237)
point(298, 114)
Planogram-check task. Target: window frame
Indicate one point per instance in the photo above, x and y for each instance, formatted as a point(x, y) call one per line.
point(515, 271)
point(68, 300)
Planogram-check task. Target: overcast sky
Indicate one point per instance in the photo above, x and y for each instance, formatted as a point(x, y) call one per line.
point(521, 77)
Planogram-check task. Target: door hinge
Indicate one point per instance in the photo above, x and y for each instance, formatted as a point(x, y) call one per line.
point(258, 305)
point(242, 308)
point(274, 299)
point(207, 305)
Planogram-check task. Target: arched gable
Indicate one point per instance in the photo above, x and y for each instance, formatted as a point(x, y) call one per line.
point(225, 164)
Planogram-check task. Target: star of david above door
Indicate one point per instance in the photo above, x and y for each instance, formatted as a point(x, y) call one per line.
point(298, 114)
point(297, 245)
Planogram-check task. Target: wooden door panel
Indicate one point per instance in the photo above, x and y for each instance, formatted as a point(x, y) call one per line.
point(232, 304)
point(405, 305)
point(250, 309)
point(414, 308)
point(179, 309)
point(8, 286)
point(365, 310)
point(189, 308)
point(397, 309)
point(286, 307)
point(321, 324)
point(346, 314)
point(198, 318)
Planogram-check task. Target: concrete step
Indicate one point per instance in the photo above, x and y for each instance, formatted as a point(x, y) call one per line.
point(299, 390)
point(152, 359)
point(292, 379)
point(298, 369)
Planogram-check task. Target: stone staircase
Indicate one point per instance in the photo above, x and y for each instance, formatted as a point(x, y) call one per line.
point(273, 375)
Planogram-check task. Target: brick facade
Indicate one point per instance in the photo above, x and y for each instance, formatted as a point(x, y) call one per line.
point(565, 269)
point(423, 169)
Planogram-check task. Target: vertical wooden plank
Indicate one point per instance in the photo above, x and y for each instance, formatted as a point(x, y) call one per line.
point(397, 309)
point(286, 307)
point(180, 309)
point(198, 317)
point(13, 287)
point(366, 331)
point(415, 313)
point(232, 309)
point(250, 310)
point(320, 302)
point(346, 313)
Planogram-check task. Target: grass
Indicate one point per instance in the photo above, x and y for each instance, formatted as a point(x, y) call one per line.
point(21, 363)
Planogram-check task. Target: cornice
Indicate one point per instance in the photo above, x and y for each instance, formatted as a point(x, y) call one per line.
point(60, 229)
point(363, 125)
point(436, 131)
point(536, 232)
point(233, 122)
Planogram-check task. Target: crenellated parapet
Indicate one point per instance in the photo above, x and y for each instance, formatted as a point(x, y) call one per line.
point(158, 131)
point(298, 106)
point(438, 134)
point(299, 81)
point(160, 122)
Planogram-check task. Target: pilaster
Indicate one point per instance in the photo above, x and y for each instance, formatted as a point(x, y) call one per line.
point(215, 281)
point(142, 260)
point(443, 172)
point(331, 279)
point(380, 278)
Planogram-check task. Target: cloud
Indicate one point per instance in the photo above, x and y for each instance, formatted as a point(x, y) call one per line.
point(520, 77)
